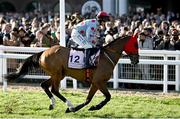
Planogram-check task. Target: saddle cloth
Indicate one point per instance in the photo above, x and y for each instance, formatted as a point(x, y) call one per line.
point(83, 58)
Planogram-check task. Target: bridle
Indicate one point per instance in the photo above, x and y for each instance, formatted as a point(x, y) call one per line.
point(115, 52)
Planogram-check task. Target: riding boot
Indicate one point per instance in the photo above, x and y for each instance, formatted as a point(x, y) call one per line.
point(87, 58)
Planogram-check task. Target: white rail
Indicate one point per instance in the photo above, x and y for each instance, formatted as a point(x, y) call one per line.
point(7, 52)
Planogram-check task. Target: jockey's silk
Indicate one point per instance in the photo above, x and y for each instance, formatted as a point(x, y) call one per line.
point(88, 29)
point(80, 40)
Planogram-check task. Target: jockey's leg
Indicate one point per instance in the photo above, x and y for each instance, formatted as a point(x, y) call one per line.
point(87, 57)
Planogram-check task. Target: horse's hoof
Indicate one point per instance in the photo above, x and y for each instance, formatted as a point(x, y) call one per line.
point(51, 107)
point(67, 110)
point(70, 110)
point(92, 108)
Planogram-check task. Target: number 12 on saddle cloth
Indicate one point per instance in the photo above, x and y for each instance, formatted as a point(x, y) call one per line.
point(79, 59)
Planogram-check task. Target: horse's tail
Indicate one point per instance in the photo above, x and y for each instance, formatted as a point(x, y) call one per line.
point(28, 64)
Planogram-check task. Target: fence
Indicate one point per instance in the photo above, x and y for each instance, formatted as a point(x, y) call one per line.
point(155, 67)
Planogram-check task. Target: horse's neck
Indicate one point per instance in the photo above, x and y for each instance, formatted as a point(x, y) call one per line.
point(115, 48)
point(118, 44)
point(112, 56)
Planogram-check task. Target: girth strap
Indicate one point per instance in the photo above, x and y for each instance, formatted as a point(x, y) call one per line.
point(88, 75)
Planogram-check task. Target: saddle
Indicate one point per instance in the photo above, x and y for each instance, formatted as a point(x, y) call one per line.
point(91, 57)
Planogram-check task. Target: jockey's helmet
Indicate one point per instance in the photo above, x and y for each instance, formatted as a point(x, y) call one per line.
point(103, 16)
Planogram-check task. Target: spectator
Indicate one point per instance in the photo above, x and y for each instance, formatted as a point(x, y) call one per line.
point(13, 41)
point(44, 37)
point(39, 36)
point(57, 34)
point(21, 34)
point(164, 27)
point(144, 44)
point(157, 38)
point(34, 25)
point(166, 43)
point(124, 31)
point(175, 39)
point(2, 22)
point(6, 29)
point(27, 40)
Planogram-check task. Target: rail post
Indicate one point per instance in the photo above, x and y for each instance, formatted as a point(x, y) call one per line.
point(74, 83)
point(115, 77)
point(177, 80)
point(3, 70)
point(1, 66)
point(63, 83)
point(165, 78)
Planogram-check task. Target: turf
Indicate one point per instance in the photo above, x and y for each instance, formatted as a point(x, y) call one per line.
point(32, 103)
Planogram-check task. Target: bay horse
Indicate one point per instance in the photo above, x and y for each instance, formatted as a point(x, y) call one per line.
point(54, 61)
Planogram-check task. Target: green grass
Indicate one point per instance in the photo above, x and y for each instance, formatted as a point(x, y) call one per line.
point(24, 103)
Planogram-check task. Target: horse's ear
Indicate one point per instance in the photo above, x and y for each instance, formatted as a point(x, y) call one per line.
point(131, 47)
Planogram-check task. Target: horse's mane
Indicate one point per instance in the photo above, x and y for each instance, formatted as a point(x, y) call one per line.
point(117, 38)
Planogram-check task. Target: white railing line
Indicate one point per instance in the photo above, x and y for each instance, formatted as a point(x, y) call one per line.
point(38, 49)
point(147, 61)
point(22, 49)
point(36, 77)
point(141, 81)
point(14, 56)
point(155, 52)
point(121, 61)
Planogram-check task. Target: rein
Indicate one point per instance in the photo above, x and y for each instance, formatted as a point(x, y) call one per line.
point(108, 56)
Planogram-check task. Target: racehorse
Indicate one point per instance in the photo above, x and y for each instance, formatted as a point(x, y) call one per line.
point(54, 61)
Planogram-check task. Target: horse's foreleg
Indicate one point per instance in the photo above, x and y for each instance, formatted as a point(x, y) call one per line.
point(45, 85)
point(103, 88)
point(91, 93)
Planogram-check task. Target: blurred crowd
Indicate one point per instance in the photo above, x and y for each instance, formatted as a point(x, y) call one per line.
point(155, 31)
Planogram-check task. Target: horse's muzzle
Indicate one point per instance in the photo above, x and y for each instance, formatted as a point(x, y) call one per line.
point(134, 59)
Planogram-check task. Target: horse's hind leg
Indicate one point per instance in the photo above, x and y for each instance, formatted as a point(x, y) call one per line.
point(45, 85)
point(91, 93)
point(55, 91)
point(103, 88)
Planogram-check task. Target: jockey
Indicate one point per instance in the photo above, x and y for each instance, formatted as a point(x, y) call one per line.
point(85, 33)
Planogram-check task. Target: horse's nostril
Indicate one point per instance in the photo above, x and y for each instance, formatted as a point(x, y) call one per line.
point(134, 62)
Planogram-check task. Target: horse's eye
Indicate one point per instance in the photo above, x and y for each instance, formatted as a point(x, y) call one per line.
point(136, 45)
